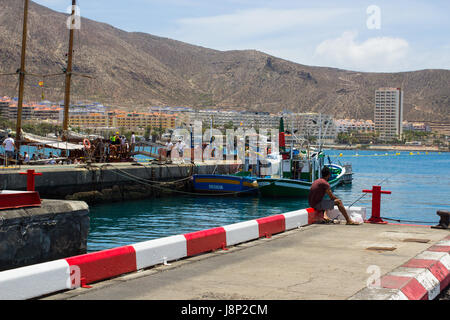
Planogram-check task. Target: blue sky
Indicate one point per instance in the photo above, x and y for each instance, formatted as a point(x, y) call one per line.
point(370, 36)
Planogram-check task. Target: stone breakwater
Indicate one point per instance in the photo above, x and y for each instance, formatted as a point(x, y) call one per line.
point(55, 230)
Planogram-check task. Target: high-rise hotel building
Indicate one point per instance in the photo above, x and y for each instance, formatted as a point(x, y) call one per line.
point(389, 113)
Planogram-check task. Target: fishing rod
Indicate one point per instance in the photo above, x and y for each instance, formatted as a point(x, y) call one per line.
point(396, 220)
point(379, 184)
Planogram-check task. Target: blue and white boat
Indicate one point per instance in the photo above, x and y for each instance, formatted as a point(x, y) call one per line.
point(211, 183)
point(240, 183)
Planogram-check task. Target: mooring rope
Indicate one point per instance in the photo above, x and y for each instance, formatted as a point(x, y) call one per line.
point(152, 184)
point(143, 179)
point(401, 220)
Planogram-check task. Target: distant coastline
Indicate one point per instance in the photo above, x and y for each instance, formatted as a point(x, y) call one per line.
point(386, 147)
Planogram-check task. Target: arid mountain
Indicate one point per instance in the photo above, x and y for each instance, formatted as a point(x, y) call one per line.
point(136, 70)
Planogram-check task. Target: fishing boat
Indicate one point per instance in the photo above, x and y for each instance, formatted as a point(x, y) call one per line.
point(297, 176)
point(204, 183)
point(243, 182)
point(298, 170)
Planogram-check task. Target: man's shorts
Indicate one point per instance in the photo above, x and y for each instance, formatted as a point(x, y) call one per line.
point(9, 154)
point(325, 204)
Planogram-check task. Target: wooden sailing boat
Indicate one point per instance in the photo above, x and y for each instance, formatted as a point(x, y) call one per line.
point(22, 73)
point(21, 137)
point(68, 73)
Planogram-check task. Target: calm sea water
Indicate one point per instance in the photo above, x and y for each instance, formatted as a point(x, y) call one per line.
point(420, 186)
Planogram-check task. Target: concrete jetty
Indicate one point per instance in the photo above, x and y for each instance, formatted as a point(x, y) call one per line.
point(55, 229)
point(103, 182)
point(313, 262)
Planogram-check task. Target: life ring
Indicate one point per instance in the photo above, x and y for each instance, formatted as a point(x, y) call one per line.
point(87, 143)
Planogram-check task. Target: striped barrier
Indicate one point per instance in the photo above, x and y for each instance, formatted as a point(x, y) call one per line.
point(205, 241)
point(104, 264)
point(422, 278)
point(271, 225)
point(154, 252)
point(46, 278)
point(36, 280)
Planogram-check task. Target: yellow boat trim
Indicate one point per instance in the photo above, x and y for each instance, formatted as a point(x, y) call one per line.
point(250, 184)
point(225, 181)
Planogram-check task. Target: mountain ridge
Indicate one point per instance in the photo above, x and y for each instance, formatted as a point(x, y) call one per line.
point(136, 70)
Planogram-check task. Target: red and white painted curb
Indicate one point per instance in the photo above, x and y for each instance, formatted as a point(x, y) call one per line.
point(46, 278)
point(422, 278)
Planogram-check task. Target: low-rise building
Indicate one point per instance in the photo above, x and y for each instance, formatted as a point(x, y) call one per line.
point(223, 118)
point(4, 106)
point(348, 125)
point(312, 125)
point(122, 120)
point(416, 126)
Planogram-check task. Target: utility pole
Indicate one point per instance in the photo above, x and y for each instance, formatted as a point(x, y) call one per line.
point(22, 76)
point(68, 73)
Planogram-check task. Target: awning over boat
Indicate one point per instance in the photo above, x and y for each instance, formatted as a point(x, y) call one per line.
point(51, 143)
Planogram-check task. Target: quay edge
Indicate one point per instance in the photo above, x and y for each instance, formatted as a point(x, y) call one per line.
point(98, 183)
point(273, 244)
point(54, 230)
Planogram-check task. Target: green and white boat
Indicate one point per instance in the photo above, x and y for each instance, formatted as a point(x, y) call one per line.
point(296, 177)
point(297, 171)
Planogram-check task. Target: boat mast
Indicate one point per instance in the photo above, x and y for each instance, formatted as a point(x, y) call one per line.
point(292, 140)
point(22, 77)
point(68, 73)
point(320, 132)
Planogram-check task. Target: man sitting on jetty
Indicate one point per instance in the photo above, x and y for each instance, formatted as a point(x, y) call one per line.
point(319, 188)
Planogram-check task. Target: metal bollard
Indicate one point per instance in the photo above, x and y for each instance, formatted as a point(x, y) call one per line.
point(445, 220)
point(376, 204)
point(31, 179)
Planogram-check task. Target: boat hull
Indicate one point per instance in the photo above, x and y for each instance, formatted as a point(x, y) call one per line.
point(280, 188)
point(214, 184)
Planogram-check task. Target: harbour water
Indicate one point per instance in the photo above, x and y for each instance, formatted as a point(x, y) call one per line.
point(46, 151)
point(419, 184)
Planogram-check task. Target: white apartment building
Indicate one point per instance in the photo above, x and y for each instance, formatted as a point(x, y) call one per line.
point(389, 113)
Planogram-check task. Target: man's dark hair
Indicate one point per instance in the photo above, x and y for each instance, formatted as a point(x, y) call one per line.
point(325, 172)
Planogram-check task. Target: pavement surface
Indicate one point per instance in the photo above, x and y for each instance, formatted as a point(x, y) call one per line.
point(317, 262)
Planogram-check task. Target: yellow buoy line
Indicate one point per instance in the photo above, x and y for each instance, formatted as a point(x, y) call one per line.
point(418, 153)
point(385, 154)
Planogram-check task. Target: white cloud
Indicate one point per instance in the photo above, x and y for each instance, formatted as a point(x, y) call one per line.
point(380, 54)
point(259, 22)
point(52, 2)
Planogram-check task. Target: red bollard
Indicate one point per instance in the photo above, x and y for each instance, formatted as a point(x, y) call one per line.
point(30, 179)
point(376, 204)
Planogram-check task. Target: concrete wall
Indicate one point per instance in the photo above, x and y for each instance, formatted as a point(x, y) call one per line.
point(57, 229)
point(106, 182)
